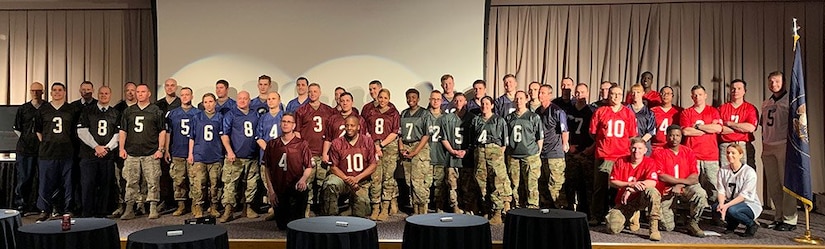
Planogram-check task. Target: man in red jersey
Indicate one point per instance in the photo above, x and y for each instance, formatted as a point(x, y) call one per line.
point(311, 124)
point(666, 115)
point(353, 162)
point(612, 127)
point(679, 180)
point(635, 177)
point(700, 124)
point(289, 165)
point(336, 124)
point(738, 121)
point(651, 97)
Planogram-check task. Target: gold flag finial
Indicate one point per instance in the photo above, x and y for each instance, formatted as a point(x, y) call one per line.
point(795, 29)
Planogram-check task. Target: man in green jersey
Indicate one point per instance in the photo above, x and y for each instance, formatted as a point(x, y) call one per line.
point(415, 151)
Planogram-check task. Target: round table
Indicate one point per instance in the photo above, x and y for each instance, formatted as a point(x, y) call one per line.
point(553, 228)
point(86, 233)
point(329, 232)
point(9, 222)
point(194, 236)
point(446, 231)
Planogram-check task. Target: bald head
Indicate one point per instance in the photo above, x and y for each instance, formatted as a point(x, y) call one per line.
point(36, 91)
point(170, 86)
point(273, 100)
point(243, 100)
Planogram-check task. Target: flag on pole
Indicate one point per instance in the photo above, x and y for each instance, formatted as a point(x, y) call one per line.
point(798, 158)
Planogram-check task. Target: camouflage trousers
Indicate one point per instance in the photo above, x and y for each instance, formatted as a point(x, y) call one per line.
point(418, 174)
point(233, 172)
point(136, 168)
point(491, 175)
point(579, 181)
point(203, 176)
point(708, 171)
point(446, 180)
point(177, 170)
point(316, 180)
point(384, 187)
point(524, 180)
point(359, 199)
point(650, 199)
point(693, 194)
point(599, 203)
point(551, 182)
point(469, 198)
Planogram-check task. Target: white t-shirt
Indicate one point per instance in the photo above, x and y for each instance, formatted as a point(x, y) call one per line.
point(774, 120)
point(743, 182)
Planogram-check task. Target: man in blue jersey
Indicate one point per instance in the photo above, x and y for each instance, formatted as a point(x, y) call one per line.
point(240, 142)
point(224, 102)
point(302, 88)
point(178, 127)
point(504, 103)
point(480, 88)
point(259, 104)
point(268, 129)
point(205, 156)
point(448, 93)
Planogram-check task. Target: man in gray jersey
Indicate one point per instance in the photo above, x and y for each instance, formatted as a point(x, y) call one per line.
point(525, 141)
point(438, 156)
point(455, 130)
point(774, 141)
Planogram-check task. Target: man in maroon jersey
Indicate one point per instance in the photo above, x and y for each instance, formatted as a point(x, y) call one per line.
point(336, 123)
point(700, 124)
point(353, 162)
point(666, 115)
point(375, 87)
point(612, 127)
point(311, 124)
point(635, 177)
point(738, 121)
point(289, 165)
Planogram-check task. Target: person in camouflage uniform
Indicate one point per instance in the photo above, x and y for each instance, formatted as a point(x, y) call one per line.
point(555, 145)
point(456, 128)
point(579, 159)
point(438, 155)
point(206, 156)
point(384, 126)
point(635, 177)
point(524, 144)
point(679, 180)
point(415, 151)
point(491, 142)
point(353, 162)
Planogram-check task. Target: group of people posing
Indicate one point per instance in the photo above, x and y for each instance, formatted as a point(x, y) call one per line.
point(475, 154)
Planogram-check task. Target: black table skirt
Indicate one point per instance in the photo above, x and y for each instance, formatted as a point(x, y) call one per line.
point(194, 237)
point(530, 228)
point(429, 232)
point(322, 233)
point(86, 233)
point(9, 222)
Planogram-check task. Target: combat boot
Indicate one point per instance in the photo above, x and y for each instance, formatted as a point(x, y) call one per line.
point(694, 230)
point(376, 208)
point(457, 210)
point(423, 209)
point(250, 213)
point(128, 211)
point(197, 211)
point(654, 231)
point(394, 206)
point(153, 210)
point(634, 222)
point(118, 212)
point(270, 215)
point(506, 206)
point(181, 209)
point(496, 219)
point(227, 213)
point(385, 212)
point(213, 210)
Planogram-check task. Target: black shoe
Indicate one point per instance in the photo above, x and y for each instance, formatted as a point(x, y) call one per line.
point(772, 225)
point(728, 231)
point(43, 216)
point(751, 230)
point(784, 227)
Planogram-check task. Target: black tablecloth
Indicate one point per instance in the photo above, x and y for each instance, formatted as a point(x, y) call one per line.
point(86, 233)
point(323, 233)
point(194, 236)
point(9, 222)
point(530, 228)
point(429, 232)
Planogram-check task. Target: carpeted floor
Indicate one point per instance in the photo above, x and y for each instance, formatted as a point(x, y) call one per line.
point(393, 229)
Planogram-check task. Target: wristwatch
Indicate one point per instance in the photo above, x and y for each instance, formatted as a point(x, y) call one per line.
point(162, 150)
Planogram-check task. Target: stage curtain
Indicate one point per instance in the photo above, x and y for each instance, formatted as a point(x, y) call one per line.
point(682, 44)
point(106, 47)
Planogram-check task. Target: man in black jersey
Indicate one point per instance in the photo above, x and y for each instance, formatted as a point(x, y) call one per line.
point(54, 125)
point(97, 131)
point(87, 89)
point(141, 144)
point(27, 146)
point(128, 100)
point(171, 100)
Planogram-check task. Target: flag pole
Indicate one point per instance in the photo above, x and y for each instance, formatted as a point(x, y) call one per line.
point(806, 238)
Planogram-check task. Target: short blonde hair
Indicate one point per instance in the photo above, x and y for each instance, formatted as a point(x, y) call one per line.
point(637, 86)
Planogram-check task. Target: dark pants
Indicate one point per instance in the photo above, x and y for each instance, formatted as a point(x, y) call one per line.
point(95, 183)
point(291, 206)
point(738, 214)
point(53, 175)
point(25, 167)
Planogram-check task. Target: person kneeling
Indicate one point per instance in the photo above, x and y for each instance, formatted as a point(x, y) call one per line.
point(679, 181)
point(348, 155)
point(635, 176)
point(738, 202)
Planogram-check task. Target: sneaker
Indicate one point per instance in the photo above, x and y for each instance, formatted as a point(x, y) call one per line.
point(772, 225)
point(784, 227)
point(751, 230)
